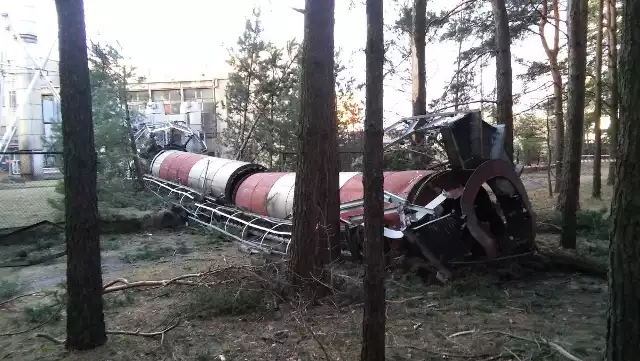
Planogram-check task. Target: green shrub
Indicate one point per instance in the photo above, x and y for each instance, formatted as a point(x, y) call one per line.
point(212, 302)
point(9, 289)
point(589, 224)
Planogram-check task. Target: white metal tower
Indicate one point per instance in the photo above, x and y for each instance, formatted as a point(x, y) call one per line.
point(18, 43)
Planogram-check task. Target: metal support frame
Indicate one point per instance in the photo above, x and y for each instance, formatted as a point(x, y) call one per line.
point(257, 232)
point(409, 212)
point(148, 128)
point(434, 122)
point(267, 234)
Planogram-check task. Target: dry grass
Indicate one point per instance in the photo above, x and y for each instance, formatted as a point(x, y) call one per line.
point(545, 205)
point(429, 322)
point(22, 206)
point(587, 247)
point(485, 314)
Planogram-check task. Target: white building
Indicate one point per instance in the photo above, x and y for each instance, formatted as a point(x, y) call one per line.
point(29, 100)
point(196, 102)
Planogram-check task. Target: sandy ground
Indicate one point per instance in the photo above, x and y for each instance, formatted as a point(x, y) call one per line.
point(487, 313)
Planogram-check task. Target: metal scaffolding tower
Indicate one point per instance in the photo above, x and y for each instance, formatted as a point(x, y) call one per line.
point(18, 40)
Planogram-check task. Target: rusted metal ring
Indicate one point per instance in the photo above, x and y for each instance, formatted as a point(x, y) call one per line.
point(490, 169)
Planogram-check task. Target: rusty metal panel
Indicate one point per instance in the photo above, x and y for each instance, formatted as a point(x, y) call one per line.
point(245, 191)
point(280, 197)
point(252, 193)
point(157, 162)
point(220, 173)
point(215, 176)
point(401, 183)
point(432, 185)
point(197, 173)
point(351, 189)
point(166, 165)
point(184, 165)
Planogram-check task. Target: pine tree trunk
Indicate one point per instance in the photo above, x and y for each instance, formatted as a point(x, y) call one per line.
point(559, 124)
point(504, 79)
point(549, 183)
point(418, 58)
point(568, 198)
point(316, 187)
point(612, 28)
point(597, 156)
point(623, 334)
point(418, 74)
point(552, 56)
point(373, 322)
point(85, 318)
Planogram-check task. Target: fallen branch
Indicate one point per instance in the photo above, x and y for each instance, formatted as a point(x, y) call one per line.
point(57, 341)
point(561, 350)
point(447, 354)
point(126, 284)
point(123, 284)
point(15, 333)
point(565, 261)
point(551, 345)
point(19, 297)
point(405, 299)
point(160, 333)
point(313, 334)
point(33, 262)
point(461, 333)
point(545, 227)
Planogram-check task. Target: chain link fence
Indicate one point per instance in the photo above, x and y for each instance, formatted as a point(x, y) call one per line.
point(29, 194)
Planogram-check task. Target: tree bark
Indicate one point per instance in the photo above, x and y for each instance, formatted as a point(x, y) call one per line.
point(549, 183)
point(373, 322)
point(552, 56)
point(612, 29)
point(559, 122)
point(568, 198)
point(316, 194)
point(504, 96)
point(623, 326)
point(85, 318)
point(597, 113)
point(418, 74)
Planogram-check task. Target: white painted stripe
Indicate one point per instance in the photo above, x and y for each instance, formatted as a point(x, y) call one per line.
point(345, 177)
point(278, 203)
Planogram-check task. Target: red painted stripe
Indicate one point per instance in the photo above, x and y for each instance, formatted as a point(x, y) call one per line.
point(184, 166)
point(253, 192)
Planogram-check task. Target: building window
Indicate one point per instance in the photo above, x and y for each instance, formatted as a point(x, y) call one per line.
point(139, 96)
point(174, 96)
point(198, 94)
point(50, 110)
point(159, 95)
point(13, 102)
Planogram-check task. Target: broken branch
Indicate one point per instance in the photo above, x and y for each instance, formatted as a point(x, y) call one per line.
point(15, 333)
point(551, 345)
point(160, 333)
point(123, 284)
point(18, 297)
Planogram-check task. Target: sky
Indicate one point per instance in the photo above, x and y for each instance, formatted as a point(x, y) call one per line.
point(190, 39)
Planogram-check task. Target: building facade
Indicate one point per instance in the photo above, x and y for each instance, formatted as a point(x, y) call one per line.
point(197, 103)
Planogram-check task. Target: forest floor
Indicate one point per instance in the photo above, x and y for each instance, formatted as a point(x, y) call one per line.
point(506, 312)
